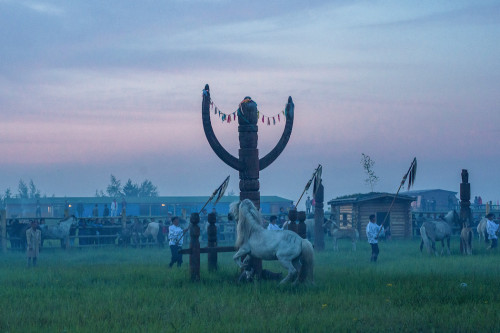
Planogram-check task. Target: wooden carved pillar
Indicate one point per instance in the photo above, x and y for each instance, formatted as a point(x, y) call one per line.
point(3, 222)
point(212, 241)
point(465, 211)
point(194, 245)
point(301, 227)
point(248, 162)
point(292, 216)
point(319, 217)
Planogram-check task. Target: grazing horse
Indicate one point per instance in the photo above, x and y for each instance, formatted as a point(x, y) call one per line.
point(481, 230)
point(339, 233)
point(60, 230)
point(294, 253)
point(434, 231)
point(466, 240)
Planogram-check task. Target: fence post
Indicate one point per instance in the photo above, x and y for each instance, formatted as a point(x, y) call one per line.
point(212, 241)
point(124, 218)
point(194, 256)
point(292, 215)
point(319, 218)
point(301, 227)
point(3, 220)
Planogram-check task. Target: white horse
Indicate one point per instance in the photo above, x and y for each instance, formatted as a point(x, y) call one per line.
point(343, 233)
point(466, 241)
point(152, 231)
point(60, 230)
point(434, 231)
point(481, 229)
point(294, 253)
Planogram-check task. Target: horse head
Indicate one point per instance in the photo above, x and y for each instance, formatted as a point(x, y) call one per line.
point(234, 210)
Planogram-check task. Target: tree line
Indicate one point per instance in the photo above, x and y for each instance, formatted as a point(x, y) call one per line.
point(115, 189)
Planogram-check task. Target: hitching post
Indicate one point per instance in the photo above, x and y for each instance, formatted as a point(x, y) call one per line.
point(465, 212)
point(3, 221)
point(194, 245)
point(248, 163)
point(319, 217)
point(212, 241)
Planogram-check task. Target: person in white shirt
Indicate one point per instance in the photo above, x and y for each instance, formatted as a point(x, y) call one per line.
point(492, 229)
point(372, 232)
point(175, 237)
point(272, 223)
point(114, 207)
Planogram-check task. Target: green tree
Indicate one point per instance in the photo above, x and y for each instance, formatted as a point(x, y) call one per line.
point(114, 189)
point(22, 189)
point(34, 192)
point(368, 164)
point(131, 189)
point(147, 189)
point(7, 194)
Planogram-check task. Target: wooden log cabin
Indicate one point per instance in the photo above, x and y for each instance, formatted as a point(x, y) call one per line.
point(354, 211)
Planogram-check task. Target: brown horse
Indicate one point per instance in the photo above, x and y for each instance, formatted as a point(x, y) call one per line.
point(340, 233)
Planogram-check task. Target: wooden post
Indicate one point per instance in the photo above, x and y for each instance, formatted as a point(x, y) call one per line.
point(319, 217)
point(292, 216)
point(194, 256)
point(124, 218)
point(3, 221)
point(465, 211)
point(301, 227)
point(212, 241)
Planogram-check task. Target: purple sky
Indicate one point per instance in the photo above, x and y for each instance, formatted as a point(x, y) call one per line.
point(94, 88)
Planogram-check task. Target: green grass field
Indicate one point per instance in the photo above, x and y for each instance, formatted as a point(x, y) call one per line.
point(132, 290)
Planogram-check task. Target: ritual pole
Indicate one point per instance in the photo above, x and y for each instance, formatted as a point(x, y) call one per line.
point(465, 211)
point(212, 241)
point(301, 226)
point(319, 217)
point(194, 245)
point(3, 220)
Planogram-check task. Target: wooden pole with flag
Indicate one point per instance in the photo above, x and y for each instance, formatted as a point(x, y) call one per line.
point(410, 175)
point(219, 192)
point(316, 177)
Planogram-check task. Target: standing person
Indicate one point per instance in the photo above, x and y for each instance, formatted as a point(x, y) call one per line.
point(492, 229)
point(114, 207)
point(175, 236)
point(282, 217)
point(372, 231)
point(106, 211)
point(95, 211)
point(308, 205)
point(38, 211)
point(33, 240)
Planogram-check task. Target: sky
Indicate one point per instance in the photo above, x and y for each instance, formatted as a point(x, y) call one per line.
point(90, 89)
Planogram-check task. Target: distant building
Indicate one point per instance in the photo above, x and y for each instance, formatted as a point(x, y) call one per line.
point(434, 200)
point(354, 211)
point(135, 206)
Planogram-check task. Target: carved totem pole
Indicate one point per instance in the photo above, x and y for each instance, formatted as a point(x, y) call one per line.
point(465, 211)
point(248, 162)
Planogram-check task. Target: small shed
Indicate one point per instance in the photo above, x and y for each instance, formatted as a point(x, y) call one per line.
point(354, 211)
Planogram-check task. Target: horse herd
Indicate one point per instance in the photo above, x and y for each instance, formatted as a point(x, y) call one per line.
point(91, 232)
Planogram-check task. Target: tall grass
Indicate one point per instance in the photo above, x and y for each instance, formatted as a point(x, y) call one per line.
point(132, 290)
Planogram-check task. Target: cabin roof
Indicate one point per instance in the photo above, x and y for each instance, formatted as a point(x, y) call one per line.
point(356, 198)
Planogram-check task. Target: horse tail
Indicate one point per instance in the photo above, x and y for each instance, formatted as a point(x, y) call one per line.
point(307, 258)
point(425, 239)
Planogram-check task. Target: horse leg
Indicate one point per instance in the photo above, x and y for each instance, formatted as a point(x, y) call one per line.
point(237, 256)
point(354, 245)
point(335, 245)
point(298, 266)
point(286, 263)
point(421, 245)
point(448, 245)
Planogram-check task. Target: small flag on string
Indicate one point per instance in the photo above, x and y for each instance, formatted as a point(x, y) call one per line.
point(268, 121)
point(278, 117)
point(262, 118)
point(274, 121)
